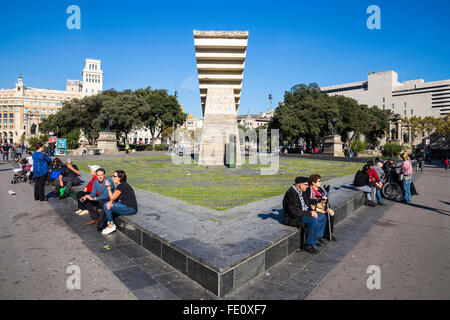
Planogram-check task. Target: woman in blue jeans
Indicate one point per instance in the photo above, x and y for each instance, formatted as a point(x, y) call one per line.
point(122, 201)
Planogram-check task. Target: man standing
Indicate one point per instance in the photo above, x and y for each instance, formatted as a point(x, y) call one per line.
point(297, 213)
point(6, 151)
point(99, 195)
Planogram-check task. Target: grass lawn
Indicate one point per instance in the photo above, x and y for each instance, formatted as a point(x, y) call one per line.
point(217, 188)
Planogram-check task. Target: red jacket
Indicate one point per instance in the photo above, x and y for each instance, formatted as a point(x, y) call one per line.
point(373, 176)
point(91, 184)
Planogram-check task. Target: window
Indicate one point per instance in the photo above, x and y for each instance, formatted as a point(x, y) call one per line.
point(17, 109)
point(11, 115)
point(412, 111)
point(5, 121)
point(34, 110)
point(393, 105)
point(384, 99)
point(11, 121)
point(35, 103)
point(43, 110)
point(11, 109)
point(52, 104)
point(26, 102)
point(404, 112)
point(44, 104)
point(5, 115)
point(52, 111)
point(43, 116)
point(26, 110)
point(44, 97)
point(384, 107)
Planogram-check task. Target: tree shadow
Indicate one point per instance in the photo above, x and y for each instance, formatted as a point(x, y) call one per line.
point(276, 214)
point(440, 211)
point(5, 170)
point(445, 202)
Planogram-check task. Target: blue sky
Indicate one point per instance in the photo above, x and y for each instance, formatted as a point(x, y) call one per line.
point(150, 43)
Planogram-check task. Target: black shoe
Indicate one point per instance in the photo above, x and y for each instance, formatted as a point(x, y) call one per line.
point(321, 243)
point(381, 204)
point(309, 248)
point(370, 204)
point(64, 196)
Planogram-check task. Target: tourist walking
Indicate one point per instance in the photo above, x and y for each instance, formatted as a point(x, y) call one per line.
point(5, 149)
point(406, 171)
point(122, 200)
point(40, 171)
point(446, 163)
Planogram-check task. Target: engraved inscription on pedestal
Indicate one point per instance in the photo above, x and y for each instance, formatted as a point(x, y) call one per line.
point(219, 123)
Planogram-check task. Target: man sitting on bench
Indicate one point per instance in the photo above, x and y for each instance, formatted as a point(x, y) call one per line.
point(297, 213)
point(69, 177)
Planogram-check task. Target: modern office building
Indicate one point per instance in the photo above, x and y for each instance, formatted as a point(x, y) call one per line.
point(22, 108)
point(408, 98)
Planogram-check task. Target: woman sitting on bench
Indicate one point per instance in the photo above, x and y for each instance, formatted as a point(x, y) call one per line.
point(122, 201)
point(319, 202)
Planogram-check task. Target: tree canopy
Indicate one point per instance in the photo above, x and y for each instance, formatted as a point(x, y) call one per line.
point(306, 111)
point(125, 110)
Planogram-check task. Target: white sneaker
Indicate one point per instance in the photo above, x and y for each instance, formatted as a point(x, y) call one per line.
point(84, 212)
point(108, 230)
point(78, 211)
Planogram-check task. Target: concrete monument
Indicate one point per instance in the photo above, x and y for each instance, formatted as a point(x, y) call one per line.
point(220, 63)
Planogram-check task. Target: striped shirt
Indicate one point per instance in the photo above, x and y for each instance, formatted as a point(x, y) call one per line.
point(300, 196)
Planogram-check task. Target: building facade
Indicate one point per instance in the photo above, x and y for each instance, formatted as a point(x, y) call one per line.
point(408, 98)
point(22, 108)
point(256, 120)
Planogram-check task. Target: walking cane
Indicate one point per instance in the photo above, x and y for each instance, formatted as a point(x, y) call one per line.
point(328, 213)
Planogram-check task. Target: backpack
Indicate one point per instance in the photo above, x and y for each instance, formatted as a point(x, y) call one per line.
point(359, 179)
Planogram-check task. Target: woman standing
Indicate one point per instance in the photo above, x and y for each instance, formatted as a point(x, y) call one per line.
point(40, 171)
point(406, 171)
point(318, 201)
point(122, 201)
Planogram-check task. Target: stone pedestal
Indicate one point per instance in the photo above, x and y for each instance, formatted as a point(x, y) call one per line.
point(220, 121)
point(107, 142)
point(333, 146)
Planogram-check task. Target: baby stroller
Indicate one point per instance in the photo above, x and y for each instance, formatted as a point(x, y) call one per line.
point(23, 173)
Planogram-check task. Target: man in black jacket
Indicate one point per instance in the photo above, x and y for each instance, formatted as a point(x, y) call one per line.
point(297, 213)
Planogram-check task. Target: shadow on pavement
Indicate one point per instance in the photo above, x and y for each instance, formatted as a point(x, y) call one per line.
point(440, 211)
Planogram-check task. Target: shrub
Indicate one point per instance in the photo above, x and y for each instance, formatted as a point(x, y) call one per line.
point(358, 146)
point(392, 149)
point(72, 139)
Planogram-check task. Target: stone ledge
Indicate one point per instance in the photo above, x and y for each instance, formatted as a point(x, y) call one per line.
point(223, 256)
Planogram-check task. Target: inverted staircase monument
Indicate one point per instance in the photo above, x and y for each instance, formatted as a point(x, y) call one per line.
point(220, 59)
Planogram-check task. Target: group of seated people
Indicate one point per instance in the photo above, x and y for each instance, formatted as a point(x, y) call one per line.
point(374, 175)
point(306, 205)
point(110, 195)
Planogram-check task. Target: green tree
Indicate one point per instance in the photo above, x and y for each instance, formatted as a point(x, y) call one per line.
point(159, 111)
point(73, 138)
point(124, 109)
point(304, 113)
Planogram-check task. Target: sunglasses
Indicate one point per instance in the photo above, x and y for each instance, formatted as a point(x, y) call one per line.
point(115, 176)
